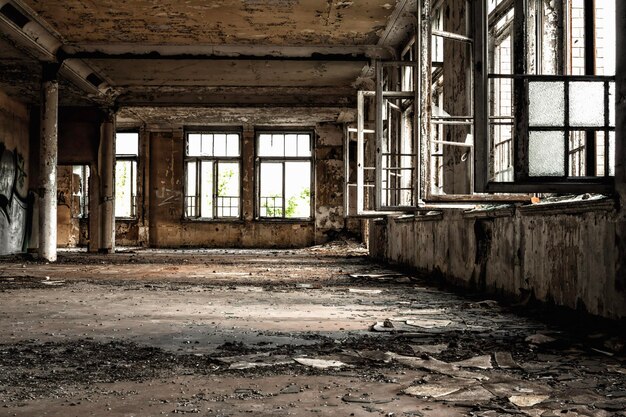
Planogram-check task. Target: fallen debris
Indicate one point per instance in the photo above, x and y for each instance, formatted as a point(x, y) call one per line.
point(441, 367)
point(320, 363)
point(478, 362)
point(540, 339)
point(429, 323)
point(527, 400)
point(432, 391)
point(505, 360)
point(430, 349)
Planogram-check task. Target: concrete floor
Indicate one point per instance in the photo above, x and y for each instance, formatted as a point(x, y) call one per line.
point(314, 332)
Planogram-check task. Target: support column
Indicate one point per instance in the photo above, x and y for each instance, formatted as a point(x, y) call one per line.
point(107, 184)
point(48, 156)
point(620, 143)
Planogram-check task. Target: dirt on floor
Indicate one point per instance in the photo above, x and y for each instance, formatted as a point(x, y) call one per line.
point(312, 332)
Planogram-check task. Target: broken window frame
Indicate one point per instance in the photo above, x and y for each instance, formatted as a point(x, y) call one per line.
point(133, 159)
point(196, 213)
point(523, 182)
point(259, 160)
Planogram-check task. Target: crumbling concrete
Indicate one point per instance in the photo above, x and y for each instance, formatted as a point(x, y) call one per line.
point(561, 253)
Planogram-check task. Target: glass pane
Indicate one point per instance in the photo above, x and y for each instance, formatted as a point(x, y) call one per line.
point(206, 189)
point(304, 145)
point(291, 145)
point(219, 143)
point(207, 145)
point(546, 103)
point(190, 196)
point(271, 145)
point(605, 37)
point(612, 104)
point(586, 104)
point(194, 144)
point(298, 189)
point(232, 145)
point(612, 154)
point(127, 144)
point(123, 188)
point(271, 202)
point(546, 154)
point(228, 189)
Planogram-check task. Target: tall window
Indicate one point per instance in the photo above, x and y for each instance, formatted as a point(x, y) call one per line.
point(284, 162)
point(126, 156)
point(80, 189)
point(212, 186)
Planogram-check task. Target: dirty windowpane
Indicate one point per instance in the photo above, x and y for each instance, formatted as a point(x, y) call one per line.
point(228, 189)
point(546, 154)
point(271, 204)
point(194, 145)
point(206, 189)
point(546, 103)
point(298, 189)
point(586, 103)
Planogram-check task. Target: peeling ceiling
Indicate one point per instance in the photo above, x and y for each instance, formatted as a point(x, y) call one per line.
point(277, 22)
point(172, 53)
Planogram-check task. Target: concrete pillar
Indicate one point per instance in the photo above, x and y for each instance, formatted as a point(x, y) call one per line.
point(620, 142)
point(107, 184)
point(48, 155)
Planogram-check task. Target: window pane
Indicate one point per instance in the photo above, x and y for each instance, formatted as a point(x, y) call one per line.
point(228, 189)
point(124, 176)
point(612, 104)
point(271, 145)
point(232, 145)
point(271, 204)
point(605, 37)
point(206, 148)
point(127, 144)
point(191, 199)
point(219, 143)
point(546, 154)
point(291, 145)
point(298, 189)
point(612, 154)
point(206, 189)
point(546, 103)
point(194, 144)
point(304, 145)
point(586, 104)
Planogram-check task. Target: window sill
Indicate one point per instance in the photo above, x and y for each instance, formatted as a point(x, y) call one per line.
point(229, 220)
point(572, 205)
point(284, 220)
point(126, 219)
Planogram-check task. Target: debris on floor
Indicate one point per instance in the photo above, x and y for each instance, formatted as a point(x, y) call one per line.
point(228, 333)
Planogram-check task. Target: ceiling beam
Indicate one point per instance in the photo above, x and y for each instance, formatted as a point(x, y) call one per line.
point(252, 52)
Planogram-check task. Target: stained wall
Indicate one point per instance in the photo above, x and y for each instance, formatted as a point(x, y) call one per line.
point(561, 254)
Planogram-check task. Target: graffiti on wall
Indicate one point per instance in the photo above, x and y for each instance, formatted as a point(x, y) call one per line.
point(15, 203)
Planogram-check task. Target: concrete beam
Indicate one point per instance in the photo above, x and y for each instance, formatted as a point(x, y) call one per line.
point(48, 157)
point(143, 51)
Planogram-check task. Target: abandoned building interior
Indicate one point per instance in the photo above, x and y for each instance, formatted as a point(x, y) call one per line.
point(303, 207)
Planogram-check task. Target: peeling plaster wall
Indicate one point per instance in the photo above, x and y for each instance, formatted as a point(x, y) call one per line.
point(563, 255)
point(15, 203)
point(168, 228)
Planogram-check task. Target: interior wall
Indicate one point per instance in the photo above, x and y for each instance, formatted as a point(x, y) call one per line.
point(562, 254)
point(15, 204)
point(169, 228)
